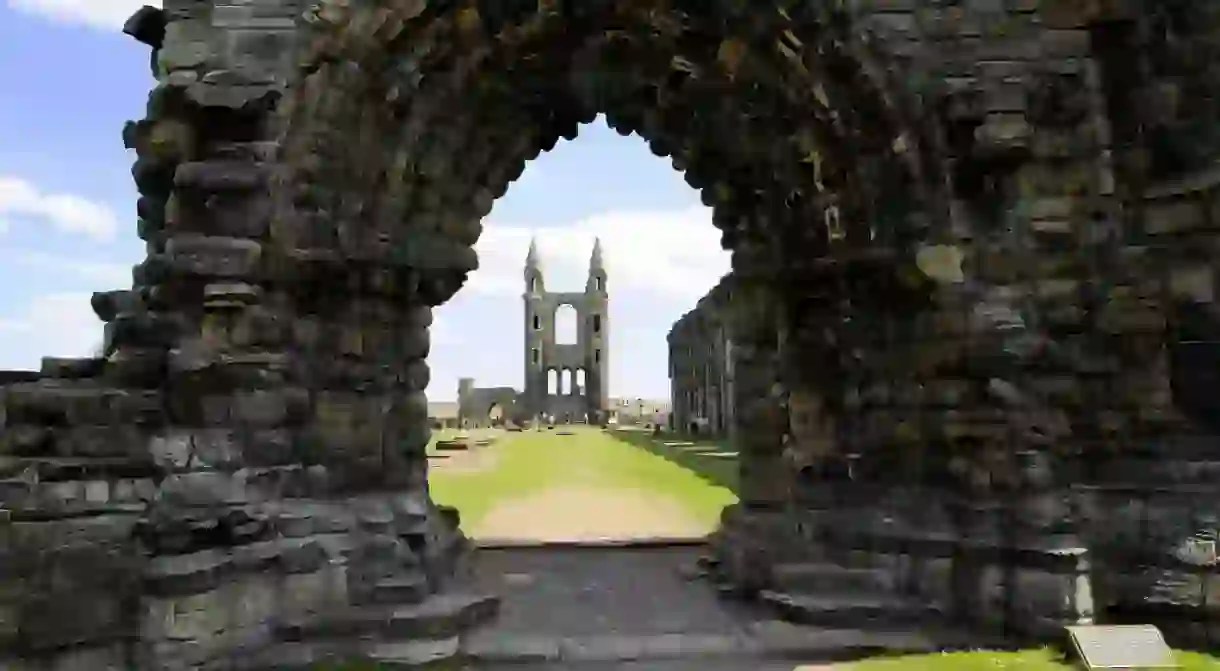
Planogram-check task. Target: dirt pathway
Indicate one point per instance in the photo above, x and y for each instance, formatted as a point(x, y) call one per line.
point(588, 513)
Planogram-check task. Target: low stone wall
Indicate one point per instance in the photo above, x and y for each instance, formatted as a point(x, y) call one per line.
point(1155, 556)
point(1022, 566)
point(126, 545)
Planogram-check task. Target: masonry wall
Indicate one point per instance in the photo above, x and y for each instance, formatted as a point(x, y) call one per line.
point(701, 365)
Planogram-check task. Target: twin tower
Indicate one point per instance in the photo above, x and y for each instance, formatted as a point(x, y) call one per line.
point(567, 381)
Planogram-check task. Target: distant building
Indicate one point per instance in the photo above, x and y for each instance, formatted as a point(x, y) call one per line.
point(564, 383)
point(443, 414)
point(639, 411)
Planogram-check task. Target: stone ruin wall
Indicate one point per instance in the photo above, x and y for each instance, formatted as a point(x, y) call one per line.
point(180, 503)
point(171, 506)
point(1115, 490)
point(475, 405)
point(700, 372)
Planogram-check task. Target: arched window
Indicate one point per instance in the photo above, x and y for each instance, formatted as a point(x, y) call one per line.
point(537, 323)
point(534, 355)
point(580, 381)
point(566, 325)
point(597, 323)
point(552, 381)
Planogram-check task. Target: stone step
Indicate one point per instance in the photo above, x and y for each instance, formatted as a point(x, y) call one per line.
point(440, 653)
point(410, 654)
point(409, 590)
point(767, 645)
point(806, 577)
point(849, 609)
point(439, 617)
point(754, 642)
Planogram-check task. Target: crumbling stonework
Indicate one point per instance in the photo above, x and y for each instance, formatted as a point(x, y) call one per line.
point(478, 406)
point(564, 382)
point(975, 233)
point(701, 365)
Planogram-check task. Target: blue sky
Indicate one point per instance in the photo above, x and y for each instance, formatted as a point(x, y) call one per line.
point(70, 79)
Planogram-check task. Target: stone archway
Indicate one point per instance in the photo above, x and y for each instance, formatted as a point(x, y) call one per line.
point(902, 193)
point(821, 171)
point(495, 415)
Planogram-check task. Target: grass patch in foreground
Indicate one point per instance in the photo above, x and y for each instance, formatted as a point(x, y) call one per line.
point(1045, 659)
point(531, 461)
point(1024, 660)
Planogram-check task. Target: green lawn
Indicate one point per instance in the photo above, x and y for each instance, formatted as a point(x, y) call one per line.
point(1025, 660)
point(530, 461)
point(713, 460)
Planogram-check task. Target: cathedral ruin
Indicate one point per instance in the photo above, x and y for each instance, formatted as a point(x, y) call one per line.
point(564, 382)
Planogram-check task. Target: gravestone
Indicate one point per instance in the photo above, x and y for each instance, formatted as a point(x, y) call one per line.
point(1126, 646)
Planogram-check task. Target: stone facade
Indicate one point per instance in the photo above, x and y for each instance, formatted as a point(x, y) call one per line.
point(478, 407)
point(975, 242)
point(564, 382)
point(444, 414)
point(701, 365)
point(567, 382)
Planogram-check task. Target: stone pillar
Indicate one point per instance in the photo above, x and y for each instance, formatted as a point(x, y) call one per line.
point(751, 531)
point(760, 413)
point(256, 434)
point(295, 410)
point(812, 380)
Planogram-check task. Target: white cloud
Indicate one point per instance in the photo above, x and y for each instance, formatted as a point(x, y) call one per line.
point(61, 325)
point(103, 14)
point(105, 276)
point(438, 332)
point(673, 253)
point(66, 212)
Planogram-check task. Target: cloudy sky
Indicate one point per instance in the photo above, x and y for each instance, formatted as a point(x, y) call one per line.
point(69, 79)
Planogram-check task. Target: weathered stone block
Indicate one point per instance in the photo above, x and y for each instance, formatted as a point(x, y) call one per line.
point(215, 176)
point(204, 488)
point(267, 447)
point(186, 45)
point(171, 451)
point(213, 256)
point(1174, 216)
point(197, 572)
point(89, 658)
point(100, 442)
point(260, 408)
point(63, 619)
point(27, 441)
point(306, 593)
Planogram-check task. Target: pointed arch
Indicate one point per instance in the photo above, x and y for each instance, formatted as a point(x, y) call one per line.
point(511, 84)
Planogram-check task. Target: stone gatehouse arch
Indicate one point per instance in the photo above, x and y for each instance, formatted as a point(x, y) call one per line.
point(908, 194)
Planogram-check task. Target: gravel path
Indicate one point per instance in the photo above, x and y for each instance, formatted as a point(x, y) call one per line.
point(588, 513)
